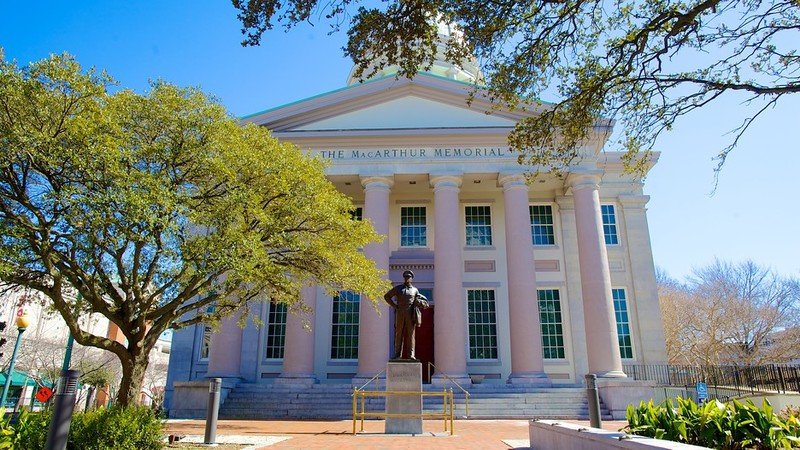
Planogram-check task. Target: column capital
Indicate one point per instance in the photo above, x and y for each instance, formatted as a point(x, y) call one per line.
point(634, 201)
point(373, 182)
point(589, 179)
point(445, 181)
point(513, 181)
point(565, 203)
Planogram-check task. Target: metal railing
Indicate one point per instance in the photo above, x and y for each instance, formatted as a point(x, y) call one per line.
point(723, 382)
point(445, 377)
point(447, 409)
point(376, 379)
point(448, 406)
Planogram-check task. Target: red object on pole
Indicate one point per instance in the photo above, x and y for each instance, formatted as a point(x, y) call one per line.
point(44, 394)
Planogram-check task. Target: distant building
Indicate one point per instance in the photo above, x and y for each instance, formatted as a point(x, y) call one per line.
point(44, 343)
point(533, 284)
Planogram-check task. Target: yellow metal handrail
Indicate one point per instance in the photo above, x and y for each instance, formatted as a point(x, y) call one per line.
point(446, 377)
point(445, 414)
point(377, 380)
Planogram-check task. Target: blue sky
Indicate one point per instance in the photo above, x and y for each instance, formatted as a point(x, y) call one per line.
point(752, 215)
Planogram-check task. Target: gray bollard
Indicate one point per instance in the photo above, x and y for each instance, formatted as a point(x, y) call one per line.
point(214, 388)
point(594, 401)
point(62, 410)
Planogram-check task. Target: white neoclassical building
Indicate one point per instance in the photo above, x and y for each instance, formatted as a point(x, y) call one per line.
point(530, 283)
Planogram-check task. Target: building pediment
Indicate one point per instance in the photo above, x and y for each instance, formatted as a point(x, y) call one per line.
point(426, 102)
point(410, 111)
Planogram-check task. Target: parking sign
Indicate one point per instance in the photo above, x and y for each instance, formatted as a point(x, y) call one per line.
point(702, 392)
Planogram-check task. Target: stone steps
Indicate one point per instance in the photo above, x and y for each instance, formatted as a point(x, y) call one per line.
point(335, 401)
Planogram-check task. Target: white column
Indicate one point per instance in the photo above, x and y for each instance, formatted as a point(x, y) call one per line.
point(602, 344)
point(527, 360)
point(298, 348)
point(374, 329)
point(450, 327)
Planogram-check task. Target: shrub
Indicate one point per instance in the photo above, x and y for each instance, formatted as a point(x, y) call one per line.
point(131, 428)
point(28, 431)
point(731, 426)
point(32, 429)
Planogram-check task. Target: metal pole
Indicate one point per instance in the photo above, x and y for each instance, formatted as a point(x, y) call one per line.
point(214, 388)
point(594, 401)
point(70, 341)
point(11, 364)
point(68, 353)
point(62, 411)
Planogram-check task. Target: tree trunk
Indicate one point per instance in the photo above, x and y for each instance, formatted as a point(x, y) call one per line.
point(130, 388)
point(89, 399)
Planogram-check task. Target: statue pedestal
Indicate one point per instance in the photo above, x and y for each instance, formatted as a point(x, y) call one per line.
point(404, 377)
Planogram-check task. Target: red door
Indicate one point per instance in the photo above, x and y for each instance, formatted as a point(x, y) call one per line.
point(424, 343)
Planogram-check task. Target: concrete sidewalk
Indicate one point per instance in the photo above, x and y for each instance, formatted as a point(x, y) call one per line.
point(319, 435)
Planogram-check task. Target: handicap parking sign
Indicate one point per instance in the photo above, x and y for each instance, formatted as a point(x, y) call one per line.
point(702, 392)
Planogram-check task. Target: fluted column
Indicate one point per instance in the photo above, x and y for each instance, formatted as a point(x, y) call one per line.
point(527, 360)
point(298, 348)
point(602, 344)
point(450, 329)
point(225, 349)
point(373, 330)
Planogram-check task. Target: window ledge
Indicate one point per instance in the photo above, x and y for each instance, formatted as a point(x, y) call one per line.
point(483, 362)
point(348, 362)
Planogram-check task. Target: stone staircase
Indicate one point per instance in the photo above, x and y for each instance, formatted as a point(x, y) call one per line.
point(497, 401)
point(335, 402)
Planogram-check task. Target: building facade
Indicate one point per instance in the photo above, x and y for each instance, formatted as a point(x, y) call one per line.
point(44, 343)
point(536, 283)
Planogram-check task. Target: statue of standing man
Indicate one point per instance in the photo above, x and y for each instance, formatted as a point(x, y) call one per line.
point(407, 304)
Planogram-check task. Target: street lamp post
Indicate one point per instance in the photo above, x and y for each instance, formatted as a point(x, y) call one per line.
point(22, 324)
point(70, 342)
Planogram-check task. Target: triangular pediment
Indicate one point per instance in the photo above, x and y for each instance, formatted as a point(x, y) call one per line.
point(426, 102)
point(408, 112)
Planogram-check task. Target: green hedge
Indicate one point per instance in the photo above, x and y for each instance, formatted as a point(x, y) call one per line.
point(132, 428)
point(731, 426)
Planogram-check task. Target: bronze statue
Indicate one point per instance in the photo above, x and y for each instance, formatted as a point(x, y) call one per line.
point(407, 315)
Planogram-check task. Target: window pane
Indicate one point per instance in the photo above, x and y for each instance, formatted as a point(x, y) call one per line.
point(344, 326)
point(205, 345)
point(478, 225)
point(550, 318)
point(413, 226)
point(482, 324)
point(623, 324)
point(542, 224)
point(609, 224)
point(276, 331)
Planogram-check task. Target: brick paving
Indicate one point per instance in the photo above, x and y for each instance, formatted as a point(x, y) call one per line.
point(325, 435)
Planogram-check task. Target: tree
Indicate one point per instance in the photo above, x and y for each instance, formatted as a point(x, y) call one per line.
point(96, 378)
point(691, 325)
point(731, 314)
point(156, 207)
point(646, 63)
